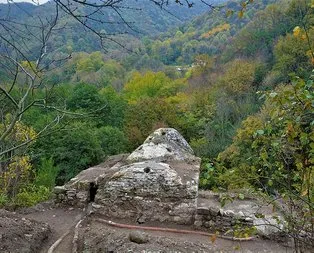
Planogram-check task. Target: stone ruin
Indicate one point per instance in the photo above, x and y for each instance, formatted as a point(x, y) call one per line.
point(157, 182)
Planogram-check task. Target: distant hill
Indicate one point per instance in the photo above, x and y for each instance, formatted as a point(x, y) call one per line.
point(144, 17)
point(208, 33)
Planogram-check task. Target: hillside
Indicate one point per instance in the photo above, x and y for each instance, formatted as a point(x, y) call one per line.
point(209, 33)
point(236, 82)
point(134, 20)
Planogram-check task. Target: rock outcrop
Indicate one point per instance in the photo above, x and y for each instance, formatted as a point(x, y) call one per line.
point(158, 181)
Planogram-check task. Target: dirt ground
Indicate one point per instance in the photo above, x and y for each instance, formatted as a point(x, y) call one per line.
point(20, 234)
point(98, 237)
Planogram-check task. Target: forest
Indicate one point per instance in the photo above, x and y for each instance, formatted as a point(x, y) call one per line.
point(235, 81)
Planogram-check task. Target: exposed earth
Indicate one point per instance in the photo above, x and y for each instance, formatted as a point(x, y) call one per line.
point(94, 236)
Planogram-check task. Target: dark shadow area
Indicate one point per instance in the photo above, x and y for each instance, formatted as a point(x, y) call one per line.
point(92, 191)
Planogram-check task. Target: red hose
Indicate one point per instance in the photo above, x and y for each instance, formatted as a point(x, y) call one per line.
point(172, 230)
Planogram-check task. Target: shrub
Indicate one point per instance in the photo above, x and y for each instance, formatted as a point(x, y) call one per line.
point(3, 200)
point(31, 195)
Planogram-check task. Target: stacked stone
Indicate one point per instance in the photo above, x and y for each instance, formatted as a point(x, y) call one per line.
point(221, 220)
point(72, 196)
point(77, 191)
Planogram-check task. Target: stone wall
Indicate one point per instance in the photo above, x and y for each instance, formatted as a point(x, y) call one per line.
point(77, 191)
point(237, 215)
point(215, 219)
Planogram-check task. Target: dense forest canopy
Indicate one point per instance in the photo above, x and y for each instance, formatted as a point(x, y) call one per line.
point(236, 80)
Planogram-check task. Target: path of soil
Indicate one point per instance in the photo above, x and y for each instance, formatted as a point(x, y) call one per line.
point(97, 236)
point(61, 221)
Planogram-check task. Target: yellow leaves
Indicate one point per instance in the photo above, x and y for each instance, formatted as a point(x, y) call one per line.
point(30, 67)
point(21, 163)
point(215, 30)
point(305, 192)
point(180, 100)
point(16, 174)
point(151, 85)
point(89, 63)
point(23, 133)
point(290, 128)
point(296, 31)
point(243, 6)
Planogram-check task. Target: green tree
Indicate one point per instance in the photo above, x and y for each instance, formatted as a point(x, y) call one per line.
point(151, 85)
point(273, 153)
point(112, 140)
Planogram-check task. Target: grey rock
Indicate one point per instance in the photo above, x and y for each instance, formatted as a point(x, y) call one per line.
point(198, 217)
point(141, 219)
point(213, 211)
point(138, 237)
point(177, 219)
point(203, 210)
point(249, 219)
point(239, 215)
point(96, 206)
point(71, 193)
point(164, 143)
point(229, 213)
point(268, 226)
point(59, 189)
point(198, 223)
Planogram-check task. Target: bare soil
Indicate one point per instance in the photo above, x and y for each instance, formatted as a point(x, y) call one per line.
point(60, 220)
point(98, 237)
point(20, 234)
